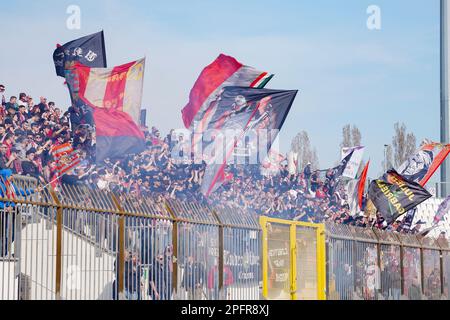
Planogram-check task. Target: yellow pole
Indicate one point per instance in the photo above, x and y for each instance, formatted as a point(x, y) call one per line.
point(321, 263)
point(265, 278)
point(293, 250)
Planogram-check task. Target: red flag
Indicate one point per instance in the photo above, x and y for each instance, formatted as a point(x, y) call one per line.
point(362, 182)
point(224, 71)
point(115, 96)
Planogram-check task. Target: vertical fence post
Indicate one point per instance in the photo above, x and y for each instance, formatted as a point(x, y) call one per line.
point(221, 255)
point(321, 263)
point(293, 250)
point(441, 266)
point(402, 273)
point(120, 266)
point(174, 250)
point(58, 267)
point(264, 262)
point(422, 274)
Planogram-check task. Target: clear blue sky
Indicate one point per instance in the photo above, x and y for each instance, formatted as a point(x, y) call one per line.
point(345, 72)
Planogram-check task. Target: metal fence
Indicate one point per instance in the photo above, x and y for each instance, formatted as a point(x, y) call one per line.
point(372, 264)
point(80, 243)
point(293, 260)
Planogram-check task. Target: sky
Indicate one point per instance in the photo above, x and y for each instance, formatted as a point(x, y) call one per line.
point(345, 73)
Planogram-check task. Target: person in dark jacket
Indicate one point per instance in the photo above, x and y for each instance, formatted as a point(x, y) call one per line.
point(344, 281)
point(160, 276)
point(194, 278)
point(29, 166)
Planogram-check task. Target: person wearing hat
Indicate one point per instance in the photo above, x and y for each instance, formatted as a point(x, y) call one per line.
point(9, 125)
point(11, 110)
point(29, 165)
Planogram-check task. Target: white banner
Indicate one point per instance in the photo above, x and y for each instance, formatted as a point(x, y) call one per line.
point(351, 170)
point(292, 159)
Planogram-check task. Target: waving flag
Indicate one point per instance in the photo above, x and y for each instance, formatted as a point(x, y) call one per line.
point(119, 88)
point(224, 71)
point(394, 195)
point(250, 113)
point(421, 166)
point(361, 185)
point(66, 158)
point(352, 167)
point(89, 51)
point(60, 150)
point(115, 97)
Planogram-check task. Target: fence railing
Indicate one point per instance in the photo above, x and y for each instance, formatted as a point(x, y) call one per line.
point(371, 264)
point(83, 243)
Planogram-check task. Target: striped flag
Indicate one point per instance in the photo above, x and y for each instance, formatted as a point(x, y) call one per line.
point(66, 158)
point(119, 88)
point(224, 71)
point(58, 151)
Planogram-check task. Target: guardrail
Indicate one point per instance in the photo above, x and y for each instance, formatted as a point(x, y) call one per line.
point(83, 243)
point(371, 264)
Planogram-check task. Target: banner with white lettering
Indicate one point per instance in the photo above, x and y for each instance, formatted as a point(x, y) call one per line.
point(351, 170)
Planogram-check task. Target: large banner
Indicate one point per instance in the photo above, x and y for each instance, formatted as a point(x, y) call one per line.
point(243, 114)
point(351, 189)
point(224, 71)
point(353, 165)
point(89, 50)
point(421, 166)
point(119, 88)
point(114, 95)
point(394, 195)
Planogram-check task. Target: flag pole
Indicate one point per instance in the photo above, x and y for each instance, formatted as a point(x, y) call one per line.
point(44, 187)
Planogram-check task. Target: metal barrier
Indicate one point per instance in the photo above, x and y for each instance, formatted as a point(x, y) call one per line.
point(241, 254)
point(371, 264)
point(340, 262)
point(293, 260)
point(81, 243)
point(431, 264)
point(445, 267)
point(412, 288)
point(390, 265)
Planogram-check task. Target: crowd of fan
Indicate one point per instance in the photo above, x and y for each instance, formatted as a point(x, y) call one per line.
point(29, 129)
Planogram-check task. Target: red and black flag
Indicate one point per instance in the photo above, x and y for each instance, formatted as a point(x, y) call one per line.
point(242, 114)
point(222, 72)
point(394, 195)
point(89, 50)
point(114, 95)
